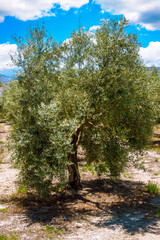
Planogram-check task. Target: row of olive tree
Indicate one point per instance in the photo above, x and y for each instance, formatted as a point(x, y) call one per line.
point(91, 90)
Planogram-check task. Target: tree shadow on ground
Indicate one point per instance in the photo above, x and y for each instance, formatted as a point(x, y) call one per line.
point(133, 220)
point(123, 204)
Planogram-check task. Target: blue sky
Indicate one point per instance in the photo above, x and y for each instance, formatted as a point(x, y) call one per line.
point(62, 16)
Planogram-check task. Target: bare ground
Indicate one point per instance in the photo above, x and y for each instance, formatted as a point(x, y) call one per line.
point(103, 210)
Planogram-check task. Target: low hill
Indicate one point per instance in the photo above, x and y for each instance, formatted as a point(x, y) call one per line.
point(5, 79)
point(157, 68)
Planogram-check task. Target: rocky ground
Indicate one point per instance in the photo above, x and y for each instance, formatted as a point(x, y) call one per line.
point(103, 210)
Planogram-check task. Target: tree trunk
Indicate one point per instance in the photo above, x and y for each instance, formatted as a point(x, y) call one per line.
point(74, 175)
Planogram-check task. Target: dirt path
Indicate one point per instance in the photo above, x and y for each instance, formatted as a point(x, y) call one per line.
point(8, 175)
point(103, 210)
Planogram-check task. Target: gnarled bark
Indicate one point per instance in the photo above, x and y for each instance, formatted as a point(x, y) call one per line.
point(74, 175)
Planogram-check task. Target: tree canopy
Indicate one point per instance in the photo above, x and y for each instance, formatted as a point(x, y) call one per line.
point(92, 91)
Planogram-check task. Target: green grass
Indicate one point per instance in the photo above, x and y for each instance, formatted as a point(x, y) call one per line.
point(90, 168)
point(156, 159)
point(4, 210)
point(58, 231)
point(13, 237)
point(22, 190)
point(5, 237)
point(127, 175)
point(152, 188)
point(50, 229)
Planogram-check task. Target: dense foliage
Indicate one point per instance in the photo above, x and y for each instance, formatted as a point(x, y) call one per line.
point(92, 90)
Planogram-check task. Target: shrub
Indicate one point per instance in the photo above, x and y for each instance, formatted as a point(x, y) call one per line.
point(152, 188)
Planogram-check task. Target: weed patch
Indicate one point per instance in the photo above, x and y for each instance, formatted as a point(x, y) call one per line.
point(49, 229)
point(156, 159)
point(22, 190)
point(4, 210)
point(5, 237)
point(152, 188)
point(127, 175)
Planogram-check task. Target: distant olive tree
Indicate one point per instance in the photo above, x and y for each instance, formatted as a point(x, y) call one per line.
point(91, 90)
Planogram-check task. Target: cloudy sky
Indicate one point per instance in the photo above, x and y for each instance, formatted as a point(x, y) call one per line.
point(62, 16)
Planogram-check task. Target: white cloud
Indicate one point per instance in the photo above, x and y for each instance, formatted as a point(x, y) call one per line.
point(94, 28)
point(5, 61)
point(151, 54)
point(142, 12)
point(67, 4)
point(34, 9)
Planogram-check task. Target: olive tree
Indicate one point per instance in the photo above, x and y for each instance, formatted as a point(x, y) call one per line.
point(91, 90)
